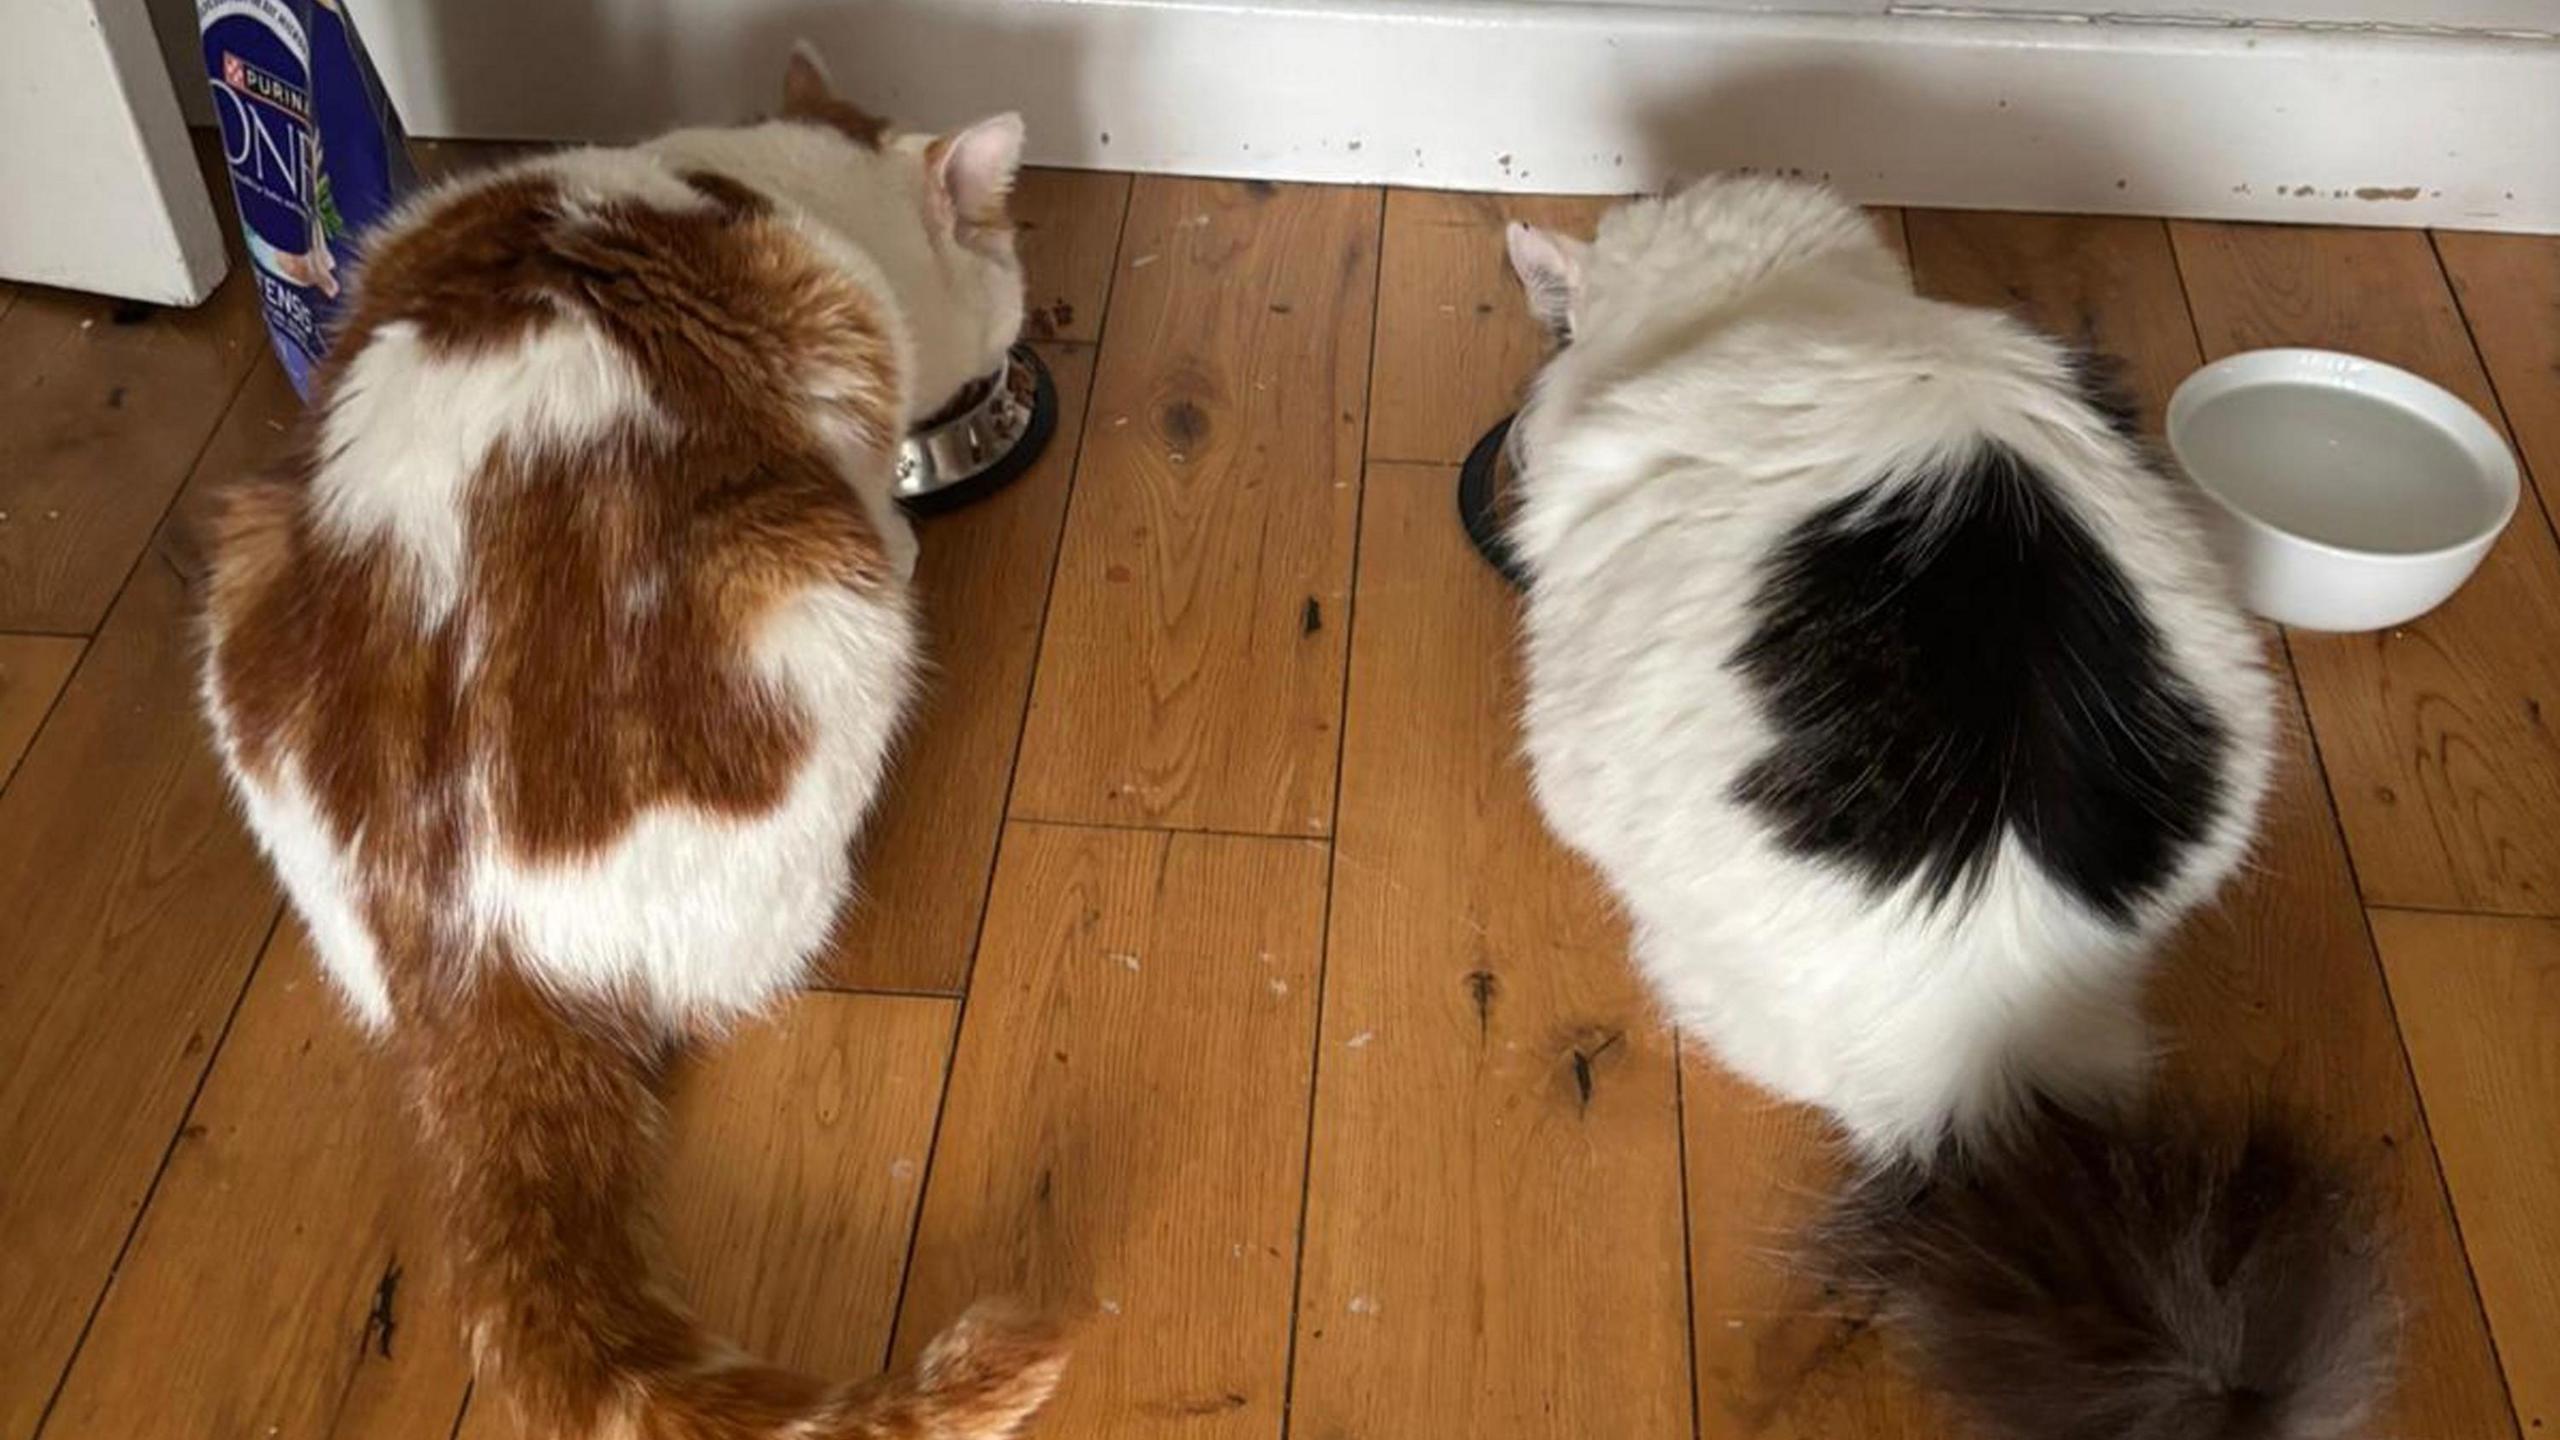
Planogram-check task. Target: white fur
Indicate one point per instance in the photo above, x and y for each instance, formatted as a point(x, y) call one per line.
point(593, 178)
point(962, 301)
point(321, 881)
point(309, 858)
point(711, 916)
point(1742, 356)
point(409, 428)
point(702, 915)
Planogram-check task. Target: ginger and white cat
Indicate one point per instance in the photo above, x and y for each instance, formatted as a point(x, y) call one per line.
point(1892, 687)
point(559, 665)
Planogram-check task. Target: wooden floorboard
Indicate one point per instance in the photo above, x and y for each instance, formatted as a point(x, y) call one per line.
point(1493, 1229)
point(1893, 226)
point(1454, 347)
point(1778, 1357)
point(137, 905)
point(983, 583)
point(1067, 231)
point(2106, 283)
point(285, 1281)
point(1318, 1140)
point(1191, 672)
point(795, 1162)
point(104, 406)
point(796, 1166)
point(33, 670)
point(2479, 1000)
point(1126, 1125)
point(2272, 1001)
point(2446, 772)
point(2509, 290)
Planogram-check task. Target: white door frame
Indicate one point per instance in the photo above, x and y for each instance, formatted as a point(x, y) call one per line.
point(99, 186)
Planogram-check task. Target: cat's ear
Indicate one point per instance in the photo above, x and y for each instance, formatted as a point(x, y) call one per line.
point(1550, 269)
point(805, 87)
point(969, 174)
point(808, 95)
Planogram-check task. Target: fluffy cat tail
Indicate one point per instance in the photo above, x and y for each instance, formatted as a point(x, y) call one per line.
point(2132, 1280)
point(541, 1117)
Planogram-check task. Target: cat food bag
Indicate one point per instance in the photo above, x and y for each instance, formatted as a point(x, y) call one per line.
point(315, 152)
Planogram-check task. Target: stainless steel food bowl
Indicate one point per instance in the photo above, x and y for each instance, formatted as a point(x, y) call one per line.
point(1485, 499)
point(990, 433)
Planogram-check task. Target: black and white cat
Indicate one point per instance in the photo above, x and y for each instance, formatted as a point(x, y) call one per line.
point(1897, 695)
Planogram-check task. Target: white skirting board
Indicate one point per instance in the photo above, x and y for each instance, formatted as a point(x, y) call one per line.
point(2346, 124)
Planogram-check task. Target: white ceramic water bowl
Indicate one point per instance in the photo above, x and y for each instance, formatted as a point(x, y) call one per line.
point(2353, 495)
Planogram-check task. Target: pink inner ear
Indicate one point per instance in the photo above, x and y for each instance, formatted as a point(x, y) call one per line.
point(976, 167)
point(1550, 270)
point(804, 79)
point(1540, 258)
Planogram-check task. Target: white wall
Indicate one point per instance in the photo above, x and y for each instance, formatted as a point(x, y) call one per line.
point(2523, 16)
point(2268, 122)
point(2530, 17)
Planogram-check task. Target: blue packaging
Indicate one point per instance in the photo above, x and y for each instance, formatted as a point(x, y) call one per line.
point(316, 156)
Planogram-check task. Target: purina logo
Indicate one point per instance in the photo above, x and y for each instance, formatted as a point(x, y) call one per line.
point(257, 84)
point(266, 138)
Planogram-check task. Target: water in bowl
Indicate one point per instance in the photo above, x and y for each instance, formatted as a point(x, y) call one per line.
point(2338, 466)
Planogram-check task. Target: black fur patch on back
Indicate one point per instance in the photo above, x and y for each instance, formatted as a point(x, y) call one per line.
point(1959, 659)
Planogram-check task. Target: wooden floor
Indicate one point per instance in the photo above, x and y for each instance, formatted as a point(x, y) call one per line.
point(1213, 975)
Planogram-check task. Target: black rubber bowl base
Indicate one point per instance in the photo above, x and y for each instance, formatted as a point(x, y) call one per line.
point(1480, 509)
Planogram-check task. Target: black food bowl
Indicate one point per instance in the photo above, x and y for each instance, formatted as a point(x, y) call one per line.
point(1485, 501)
